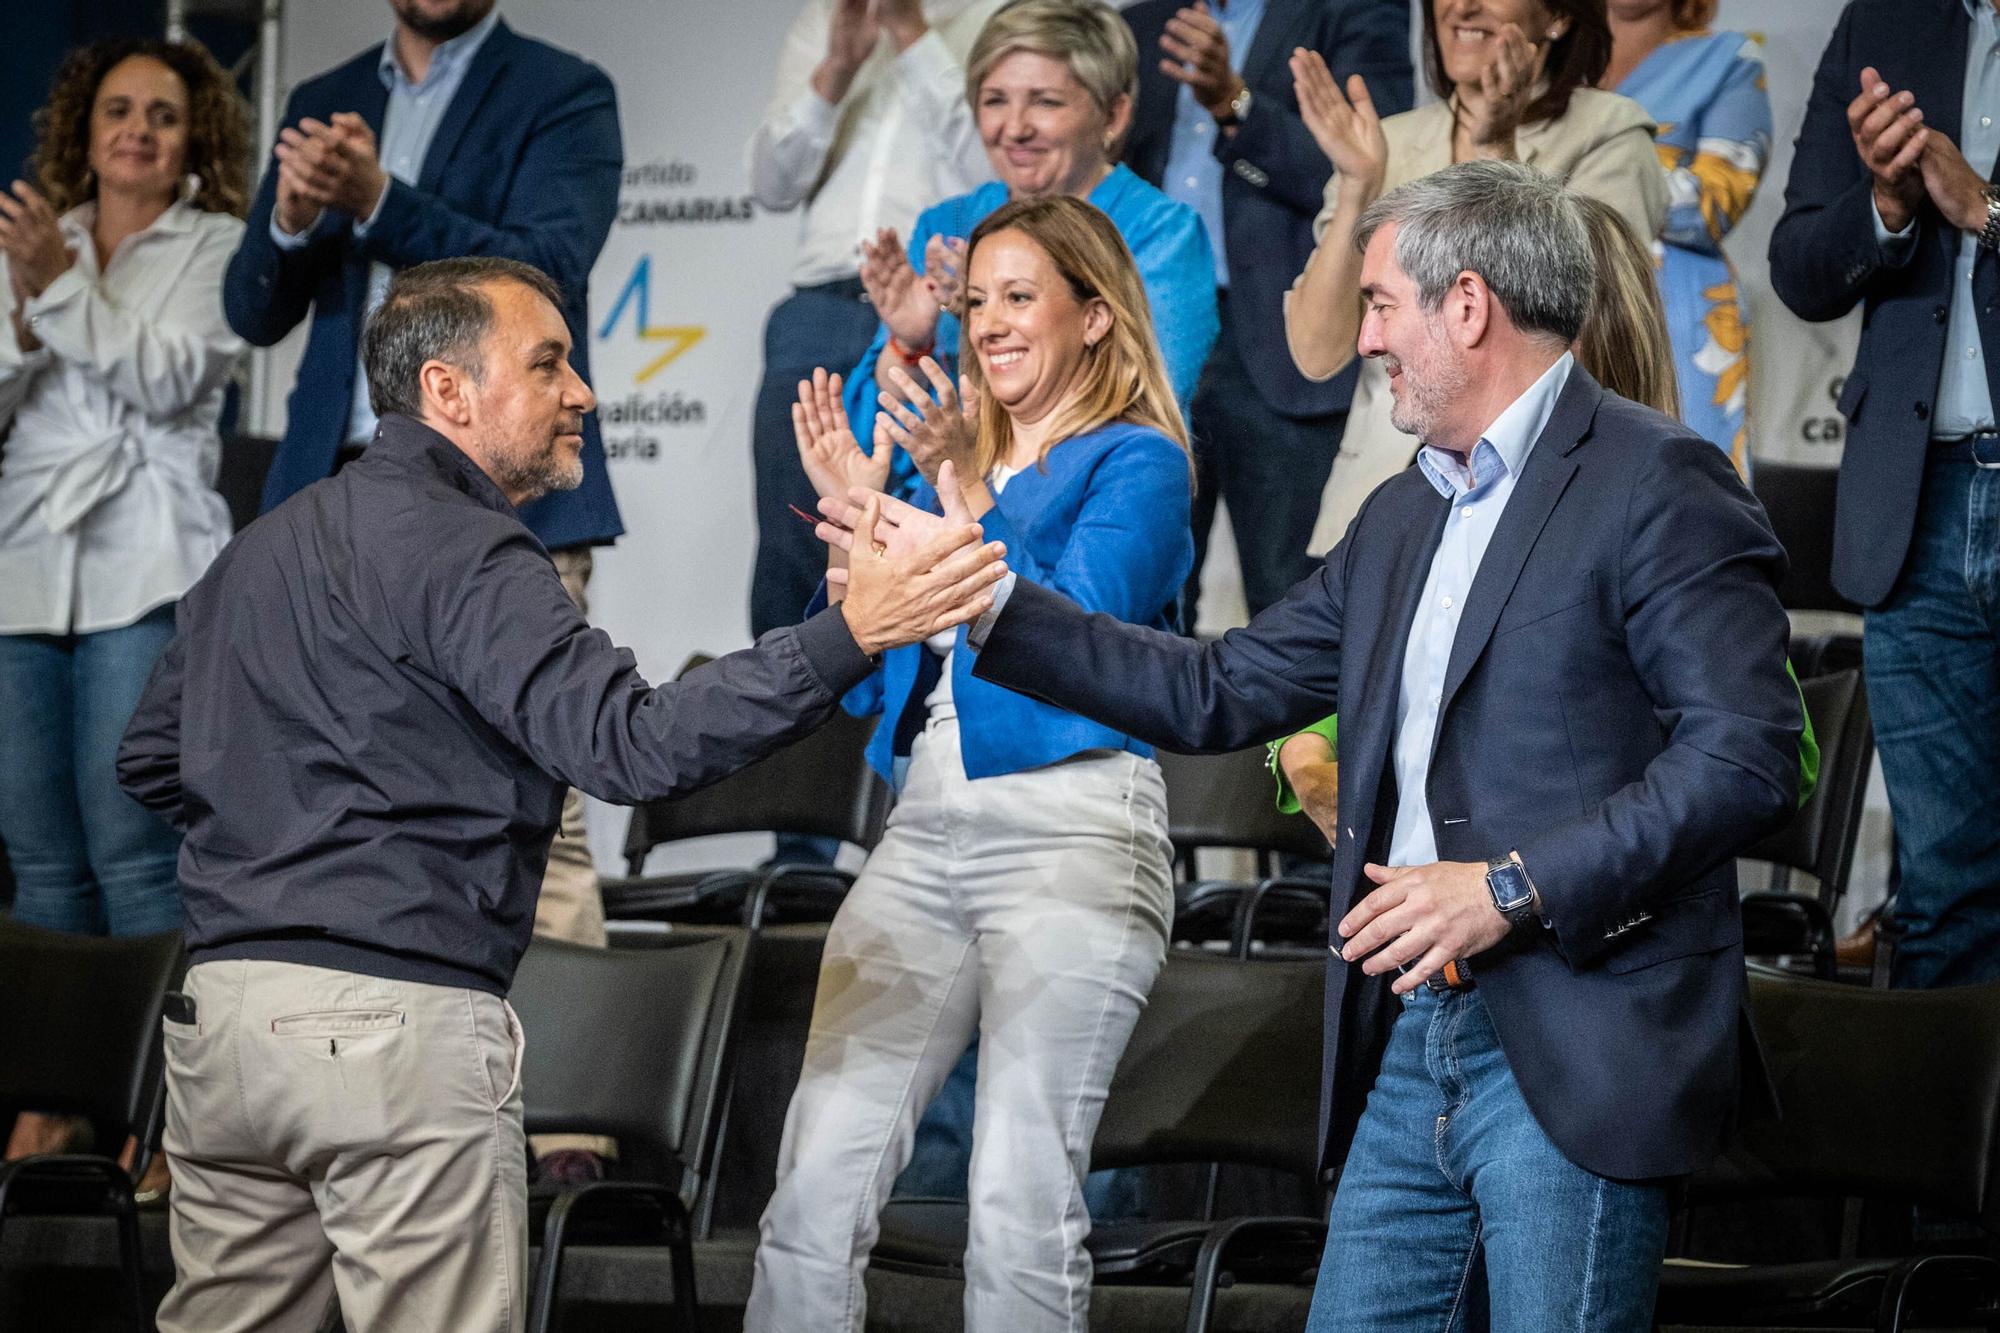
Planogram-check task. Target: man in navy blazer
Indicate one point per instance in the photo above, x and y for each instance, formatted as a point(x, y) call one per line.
point(1890, 206)
point(1216, 125)
point(1557, 652)
point(523, 163)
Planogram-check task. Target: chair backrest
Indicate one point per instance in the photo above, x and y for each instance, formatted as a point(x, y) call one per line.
point(819, 786)
point(1799, 499)
point(1228, 800)
point(80, 1022)
point(1885, 1094)
point(1821, 837)
point(633, 1043)
point(1223, 1066)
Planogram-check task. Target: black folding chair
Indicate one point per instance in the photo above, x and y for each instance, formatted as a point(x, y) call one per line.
point(819, 786)
point(1229, 801)
point(635, 1044)
point(1887, 1096)
point(1821, 837)
point(80, 1035)
point(1223, 1066)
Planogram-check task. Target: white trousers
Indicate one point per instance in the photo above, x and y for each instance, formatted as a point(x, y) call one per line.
point(1033, 907)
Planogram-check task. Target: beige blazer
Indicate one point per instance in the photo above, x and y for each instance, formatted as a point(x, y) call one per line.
point(1602, 146)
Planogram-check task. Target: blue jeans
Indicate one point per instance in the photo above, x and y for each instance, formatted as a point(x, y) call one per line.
point(87, 858)
point(1933, 665)
point(829, 325)
point(1455, 1212)
point(1269, 468)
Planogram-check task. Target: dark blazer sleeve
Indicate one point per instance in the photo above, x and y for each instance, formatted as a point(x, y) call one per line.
point(149, 755)
point(268, 290)
point(497, 627)
point(561, 205)
point(1706, 636)
point(1271, 677)
point(1823, 251)
point(1367, 37)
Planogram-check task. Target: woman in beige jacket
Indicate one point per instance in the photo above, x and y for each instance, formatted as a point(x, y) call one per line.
point(1515, 77)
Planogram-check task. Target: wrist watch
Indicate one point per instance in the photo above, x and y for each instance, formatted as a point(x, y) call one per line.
point(1238, 108)
point(1989, 235)
point(1513, 892)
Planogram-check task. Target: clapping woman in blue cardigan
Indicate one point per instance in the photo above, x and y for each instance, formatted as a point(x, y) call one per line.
point(1023, 888)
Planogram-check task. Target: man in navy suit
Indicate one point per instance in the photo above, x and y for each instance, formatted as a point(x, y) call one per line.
point(1890, 205)
point(1217, 126)
point(457, 136)
point(1558, 657)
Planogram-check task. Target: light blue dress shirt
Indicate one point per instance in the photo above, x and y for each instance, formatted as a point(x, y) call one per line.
point(1964, 398)
point(1193, 175)
point(1478, 496)
point(409, 123)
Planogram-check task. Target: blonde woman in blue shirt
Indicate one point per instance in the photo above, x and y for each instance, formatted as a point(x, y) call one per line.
point(1023, 887)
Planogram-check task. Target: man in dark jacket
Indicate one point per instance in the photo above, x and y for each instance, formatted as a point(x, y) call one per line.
point(1891, 206)
point(365, 725)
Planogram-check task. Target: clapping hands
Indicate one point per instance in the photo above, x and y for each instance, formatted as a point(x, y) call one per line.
point(322, 166)
point(898, 291)
point(936, 426)
point(1347, 128)
point(828, 450)
point(31, 237)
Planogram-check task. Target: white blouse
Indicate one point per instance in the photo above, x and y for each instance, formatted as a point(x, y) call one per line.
point(108, 505)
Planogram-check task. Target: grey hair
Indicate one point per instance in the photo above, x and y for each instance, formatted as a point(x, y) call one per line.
point(1089, 36)
point(437, 312)
point(1519, 230)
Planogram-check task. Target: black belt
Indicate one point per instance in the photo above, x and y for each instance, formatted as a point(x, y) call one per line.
point(1981, 448)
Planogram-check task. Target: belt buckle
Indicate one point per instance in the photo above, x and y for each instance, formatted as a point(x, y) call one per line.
point(1985, 449)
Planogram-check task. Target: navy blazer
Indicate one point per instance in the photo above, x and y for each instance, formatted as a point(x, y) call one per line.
point(1274, 173)
point(1615, 707)
point(525, 164)
point(1824, 259)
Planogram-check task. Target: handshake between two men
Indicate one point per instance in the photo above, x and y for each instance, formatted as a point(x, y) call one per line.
point(902, 574)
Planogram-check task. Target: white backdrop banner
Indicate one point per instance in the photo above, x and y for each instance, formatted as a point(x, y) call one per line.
point(679, 296)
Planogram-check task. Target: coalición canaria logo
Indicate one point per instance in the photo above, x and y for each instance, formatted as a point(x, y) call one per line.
point(630, 422)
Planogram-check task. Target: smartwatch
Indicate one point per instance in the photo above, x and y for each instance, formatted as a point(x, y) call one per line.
point(1513, 892)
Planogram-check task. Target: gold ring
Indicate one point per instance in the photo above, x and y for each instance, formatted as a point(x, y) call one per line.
point(881, 548)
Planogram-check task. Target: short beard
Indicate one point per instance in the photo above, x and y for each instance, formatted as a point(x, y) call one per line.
point(462, 19)
point(1429, 387)
point(533, 472)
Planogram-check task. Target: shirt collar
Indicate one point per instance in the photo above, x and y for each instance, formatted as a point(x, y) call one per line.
point(1506, 443)
point(1972, 8)
point(449, 55)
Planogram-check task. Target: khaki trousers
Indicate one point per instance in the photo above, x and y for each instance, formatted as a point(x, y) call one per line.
point(334, 1133)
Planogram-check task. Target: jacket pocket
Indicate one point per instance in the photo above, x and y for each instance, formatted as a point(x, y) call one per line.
point(1566, 597)
point(1680, 928)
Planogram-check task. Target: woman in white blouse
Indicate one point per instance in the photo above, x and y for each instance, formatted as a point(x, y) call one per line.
point(113, 361)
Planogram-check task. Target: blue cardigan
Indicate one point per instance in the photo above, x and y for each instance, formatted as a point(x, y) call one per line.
point(1103, 521)
point(1168, 243)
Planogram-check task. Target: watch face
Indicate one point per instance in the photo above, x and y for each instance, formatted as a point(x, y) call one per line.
point(1509, 884)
